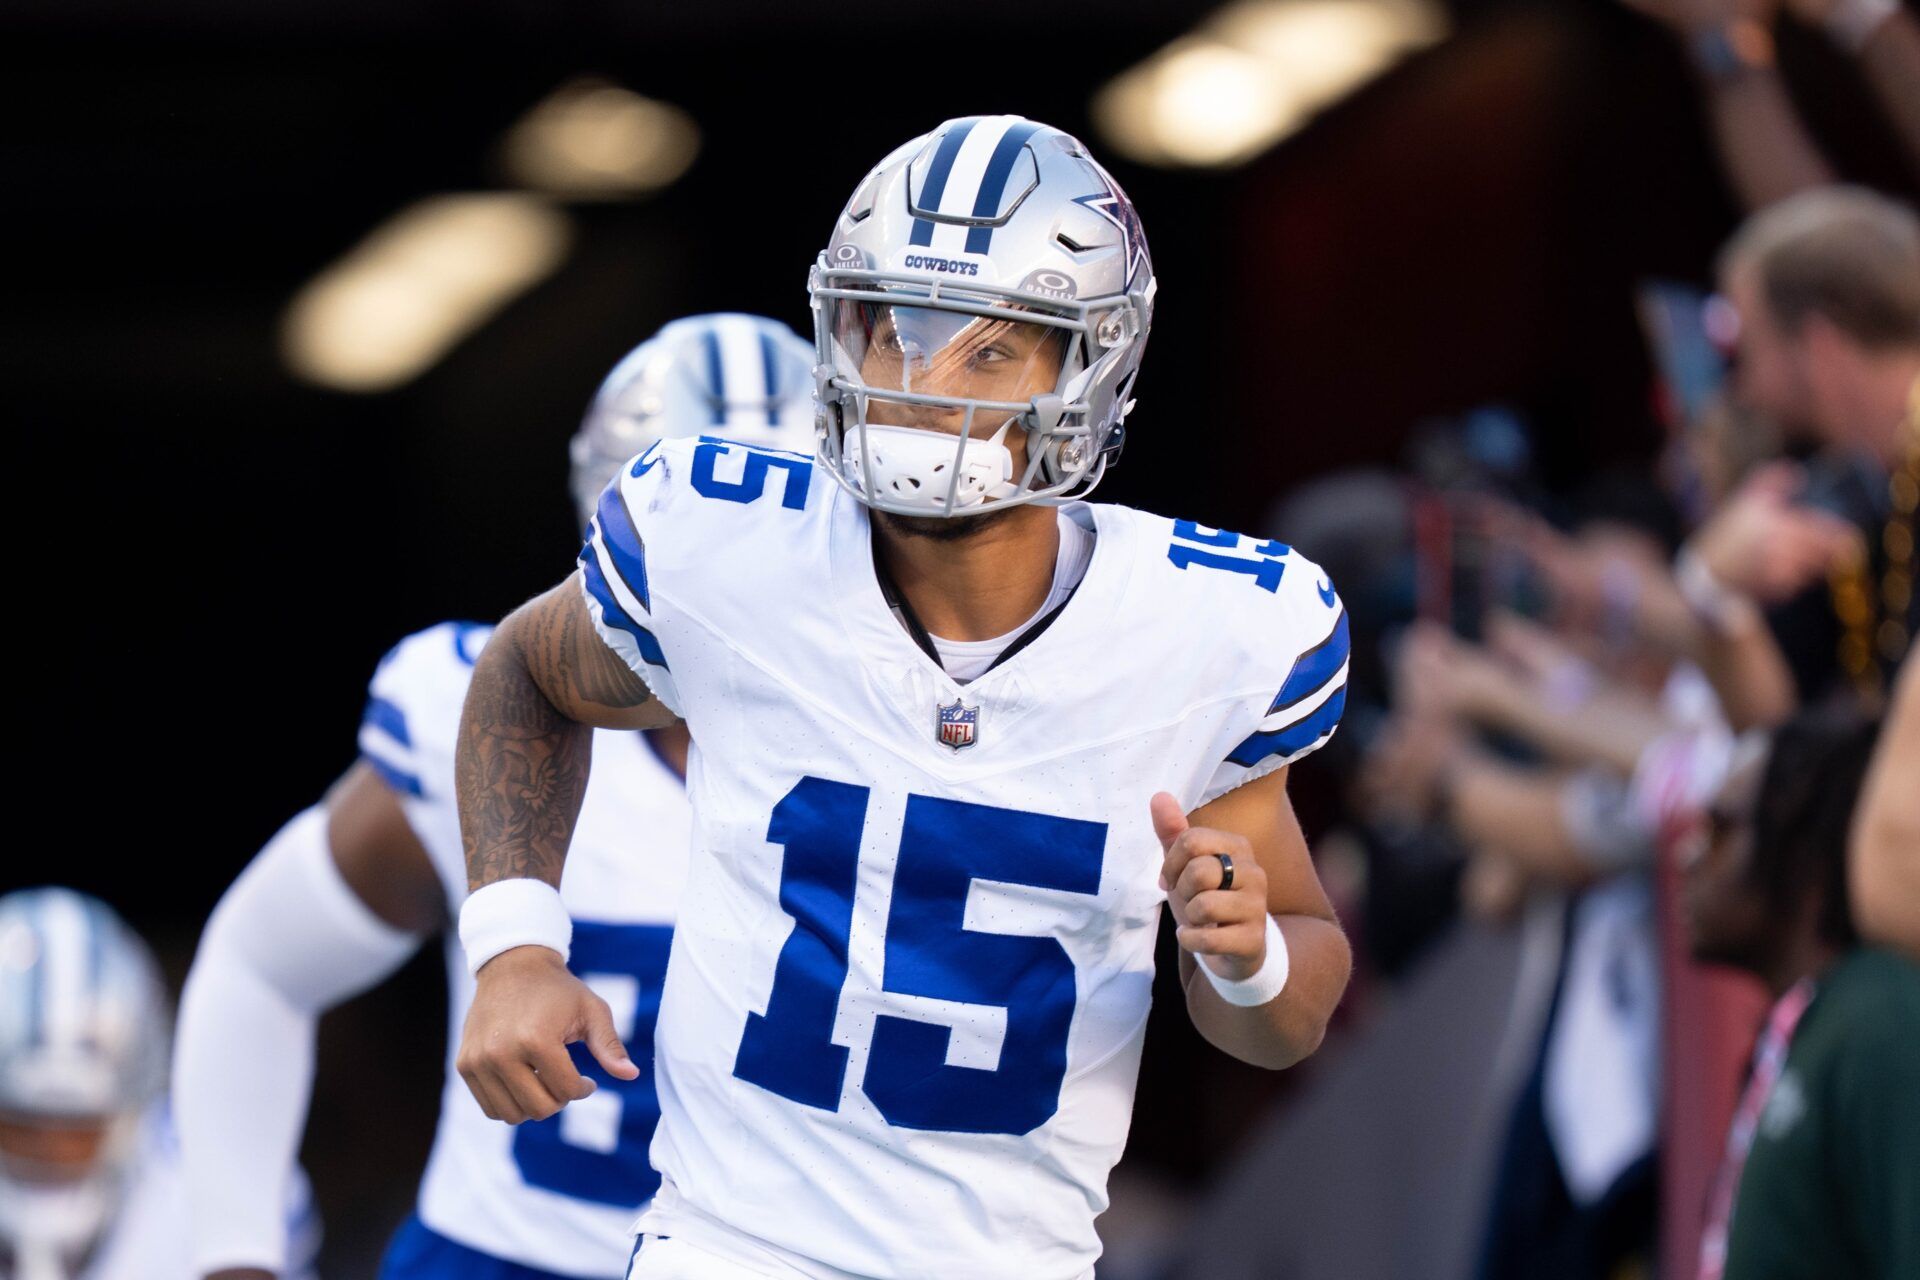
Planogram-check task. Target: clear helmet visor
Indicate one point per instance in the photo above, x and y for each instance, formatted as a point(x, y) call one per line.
point(921, 395)
point(948, 356)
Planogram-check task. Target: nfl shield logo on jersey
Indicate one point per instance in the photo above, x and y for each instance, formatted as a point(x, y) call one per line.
point(957, 725)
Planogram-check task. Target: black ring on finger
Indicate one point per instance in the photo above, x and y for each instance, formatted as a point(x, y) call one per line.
point(1226, 870)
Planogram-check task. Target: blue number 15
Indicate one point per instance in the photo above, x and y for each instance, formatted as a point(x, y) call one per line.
point(945, 845)
point(1195, 544)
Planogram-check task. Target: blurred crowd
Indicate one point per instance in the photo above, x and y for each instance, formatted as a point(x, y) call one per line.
point(1670, 714)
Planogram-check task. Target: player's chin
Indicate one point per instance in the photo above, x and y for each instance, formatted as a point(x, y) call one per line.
point(942, 528)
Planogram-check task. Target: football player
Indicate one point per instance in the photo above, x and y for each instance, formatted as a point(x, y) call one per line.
point(958, 735)
point(348, 889)
point(90, 1180)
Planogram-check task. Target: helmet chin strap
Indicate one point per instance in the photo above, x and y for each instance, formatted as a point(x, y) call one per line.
point(912, 469)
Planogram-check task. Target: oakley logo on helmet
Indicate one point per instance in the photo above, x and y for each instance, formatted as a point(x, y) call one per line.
point(1056, 285)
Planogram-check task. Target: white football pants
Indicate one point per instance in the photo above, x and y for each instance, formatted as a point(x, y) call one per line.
point(673, 1258)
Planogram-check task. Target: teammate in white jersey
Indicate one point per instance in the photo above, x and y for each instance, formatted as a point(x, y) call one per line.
point(958, 735)
point(90, 1179)
point(349, 888)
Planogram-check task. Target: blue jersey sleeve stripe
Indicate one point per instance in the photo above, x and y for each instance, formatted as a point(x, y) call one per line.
point(1312, 669)
point(388, 719)
point(614, 615)
point(464, 636)
point(625, 552)
point(1296, 737)
point(398, 779)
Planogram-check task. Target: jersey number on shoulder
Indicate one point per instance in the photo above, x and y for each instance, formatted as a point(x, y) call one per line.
point(1022, 985)
point(596, 1149)
point(754, 466)
point(1195, 544)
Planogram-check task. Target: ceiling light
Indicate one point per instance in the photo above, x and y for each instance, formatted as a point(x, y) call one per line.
point(594, 140)
point(416, 285)
point(1253, 73)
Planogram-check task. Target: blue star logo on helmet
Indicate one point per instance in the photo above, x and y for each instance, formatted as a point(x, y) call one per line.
point(1117, 210)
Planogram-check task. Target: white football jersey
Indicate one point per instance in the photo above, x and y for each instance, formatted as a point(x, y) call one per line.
point(900, 1038)
point(149, 1240)
point(558, 1195)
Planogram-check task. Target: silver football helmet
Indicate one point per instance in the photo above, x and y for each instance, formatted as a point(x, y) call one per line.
point(744, 377)
point(987, 274)
point(83, 1053)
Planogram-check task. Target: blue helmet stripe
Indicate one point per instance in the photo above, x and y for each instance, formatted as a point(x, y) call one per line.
point(1315, 667)
point(1296, 737)
point(97, 946)
point(614, 615)
point(994, 183)
point(35, 978)
point(937, 172)
point(625, 551)
point(716, 377)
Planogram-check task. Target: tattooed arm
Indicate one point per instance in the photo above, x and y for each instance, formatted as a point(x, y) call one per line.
point(541, 685)
point(539, 689)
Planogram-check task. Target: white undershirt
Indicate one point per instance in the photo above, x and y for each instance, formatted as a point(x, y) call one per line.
point(967, 660)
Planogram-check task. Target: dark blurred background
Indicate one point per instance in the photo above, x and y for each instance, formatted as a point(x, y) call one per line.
point(1466, 228)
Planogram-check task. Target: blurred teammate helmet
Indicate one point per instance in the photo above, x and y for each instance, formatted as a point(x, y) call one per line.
point(83, 1053)
point(987, 274)
point(744, 377)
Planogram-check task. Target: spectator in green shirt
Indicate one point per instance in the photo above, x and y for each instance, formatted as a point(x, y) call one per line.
point(1822, 1172)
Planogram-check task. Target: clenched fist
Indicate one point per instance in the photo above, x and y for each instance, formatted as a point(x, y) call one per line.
point(527, 1008)
point(1226, 927)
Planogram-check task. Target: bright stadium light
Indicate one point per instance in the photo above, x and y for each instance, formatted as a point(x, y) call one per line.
point(1197, 102)
point(419, 283)
point(1253, 73)
point(594, 140)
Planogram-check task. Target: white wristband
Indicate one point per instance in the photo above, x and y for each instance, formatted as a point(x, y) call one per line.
point(513, 913)
point(1267, 981)
point(1852, 23)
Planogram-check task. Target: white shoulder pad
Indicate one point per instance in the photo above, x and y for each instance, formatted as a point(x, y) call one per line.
point(1282, 631)
point(668, 528)
point(413, 708)
point(411, 728)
